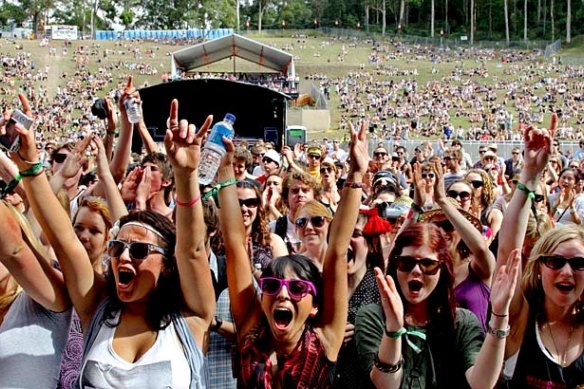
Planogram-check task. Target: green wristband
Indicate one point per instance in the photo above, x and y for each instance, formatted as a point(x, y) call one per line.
point(530, 193)
point(35, 170)
point(396, 334)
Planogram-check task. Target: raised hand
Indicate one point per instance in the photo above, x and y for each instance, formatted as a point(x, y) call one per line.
point(130, 185)
point(76, 159)
point(537, 143)
point(439, 190)
point(505, 282)
point(419, 185)
point(112, 120)
point(182, 141)
point(143, 189)
point(390, 301)
point(359, 151)
point(27, 153)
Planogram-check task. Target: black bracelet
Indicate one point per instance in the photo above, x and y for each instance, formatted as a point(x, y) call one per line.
point(218, 324)
point(386, 367)
point(497, 315)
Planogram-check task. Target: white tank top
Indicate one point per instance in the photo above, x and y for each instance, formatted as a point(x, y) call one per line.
point(164, 365)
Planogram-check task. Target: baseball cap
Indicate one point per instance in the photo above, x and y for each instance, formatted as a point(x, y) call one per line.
point(274, 156)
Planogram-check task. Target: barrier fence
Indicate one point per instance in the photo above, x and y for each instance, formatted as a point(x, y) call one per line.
point(472, 147)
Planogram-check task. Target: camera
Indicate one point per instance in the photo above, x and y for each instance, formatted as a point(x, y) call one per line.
point(99, 108)
point(10, 140)
point(389, 211)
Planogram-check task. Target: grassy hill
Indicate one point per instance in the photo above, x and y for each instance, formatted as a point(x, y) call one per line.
point(313, 55)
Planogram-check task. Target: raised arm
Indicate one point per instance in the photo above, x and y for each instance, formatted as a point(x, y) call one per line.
point(33, 271)
point(245, 304)
point(335, 307)
point(86, 288)
point(108, 185)
point(483, 263)
point(149, 144)
point(537, 144)
point(121, 157)
point(183, 148)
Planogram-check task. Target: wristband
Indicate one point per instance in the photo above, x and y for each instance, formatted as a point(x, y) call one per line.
point(530, 193)
point(35, 170)
point(214, 192)
point(188, 204)
point(499, 333)
point(353, 185)
point(218, 324)
point(386, 367)
point(396, 334)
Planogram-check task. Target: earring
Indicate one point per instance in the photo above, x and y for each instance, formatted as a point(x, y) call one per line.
point(539, 277)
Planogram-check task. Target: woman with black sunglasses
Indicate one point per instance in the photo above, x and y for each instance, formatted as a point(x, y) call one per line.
point(546, 346)
point(263, 246)
point(418, 337)
point(312, 226)
point(291, 334)
point(145, 322)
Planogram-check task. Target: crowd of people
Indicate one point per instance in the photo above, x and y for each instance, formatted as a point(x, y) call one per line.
point(319, 265)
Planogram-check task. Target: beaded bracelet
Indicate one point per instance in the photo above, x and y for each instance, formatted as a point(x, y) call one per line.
point(35, 170)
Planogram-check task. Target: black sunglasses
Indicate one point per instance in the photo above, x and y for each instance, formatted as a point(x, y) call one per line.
point(482, 151)
point(326, 169)
point(428, 266)
point(267, 160)
point(464, 195)
point(477, 183)
point(249, 203)
point(447, 158)
point(138, 250)
point(60, 157)
point(556, 262)
point(428, 175)
point(314, 156)
point(316, 221)
point(379, 154)
point(538, 198)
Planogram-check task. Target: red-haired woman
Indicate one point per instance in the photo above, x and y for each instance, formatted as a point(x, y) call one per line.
point(418, 336)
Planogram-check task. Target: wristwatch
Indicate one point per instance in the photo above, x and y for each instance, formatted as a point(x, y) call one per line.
point(501, 334)
point(218, 324)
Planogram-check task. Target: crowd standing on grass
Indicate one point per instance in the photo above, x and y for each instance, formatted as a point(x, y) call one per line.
point(313, 266)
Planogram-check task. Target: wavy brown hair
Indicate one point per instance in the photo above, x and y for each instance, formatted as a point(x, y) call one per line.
point(260, 232)
point(488, 195)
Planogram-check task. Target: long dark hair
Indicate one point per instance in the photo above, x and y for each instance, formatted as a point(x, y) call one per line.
point(167, 298)
point(441, 302)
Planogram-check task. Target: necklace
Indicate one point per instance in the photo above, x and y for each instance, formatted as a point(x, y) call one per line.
point(562, 359)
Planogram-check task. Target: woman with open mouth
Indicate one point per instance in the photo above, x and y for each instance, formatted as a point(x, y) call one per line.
point(145, 321)
point(547, 312)
point(417, 337)
point(290, 335)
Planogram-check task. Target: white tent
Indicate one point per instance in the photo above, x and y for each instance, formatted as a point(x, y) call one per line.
point(229, 46)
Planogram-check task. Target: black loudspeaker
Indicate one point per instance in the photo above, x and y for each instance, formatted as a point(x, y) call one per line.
point(255, 108)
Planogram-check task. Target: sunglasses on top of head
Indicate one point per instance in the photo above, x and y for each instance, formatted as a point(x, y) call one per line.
point(316, 221)
point(557, 262)
point(407, 263)
point(138, 250)
point(249, 203)
point(463, 195)
point(297, 289)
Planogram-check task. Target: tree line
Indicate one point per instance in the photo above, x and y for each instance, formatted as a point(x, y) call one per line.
point(477, 19)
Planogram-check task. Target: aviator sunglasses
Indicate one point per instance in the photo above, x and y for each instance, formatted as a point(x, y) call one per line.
point(297, 289)
point(407, 263)
point(138, 250)
point(316, 221)
point(556, 262)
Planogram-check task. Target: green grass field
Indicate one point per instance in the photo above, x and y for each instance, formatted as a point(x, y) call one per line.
point(319, 55)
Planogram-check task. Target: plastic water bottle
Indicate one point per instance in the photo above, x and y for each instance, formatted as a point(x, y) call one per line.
point(133, 110)
point(214, 149)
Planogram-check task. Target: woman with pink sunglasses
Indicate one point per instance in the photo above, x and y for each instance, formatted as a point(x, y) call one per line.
point(300, 314)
